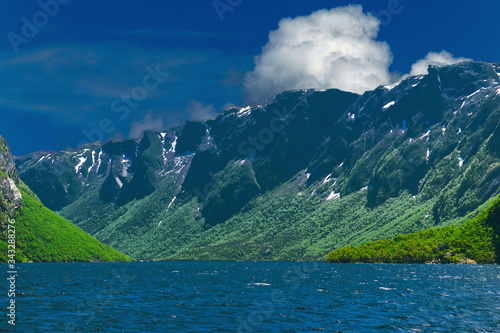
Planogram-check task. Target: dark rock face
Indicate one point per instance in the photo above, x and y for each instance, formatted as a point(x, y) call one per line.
point(6, 161)
point(10, 196)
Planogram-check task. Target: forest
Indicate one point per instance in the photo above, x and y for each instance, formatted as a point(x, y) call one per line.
point(43, 236)
point(477, 240)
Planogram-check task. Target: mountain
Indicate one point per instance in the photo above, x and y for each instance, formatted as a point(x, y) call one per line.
point(40, 234)
point(305, 173)
point(476, 241)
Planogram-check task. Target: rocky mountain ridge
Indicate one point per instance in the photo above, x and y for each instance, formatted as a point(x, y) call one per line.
point(430, 142)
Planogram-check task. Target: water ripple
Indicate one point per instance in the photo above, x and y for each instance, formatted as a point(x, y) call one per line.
point(257, 297)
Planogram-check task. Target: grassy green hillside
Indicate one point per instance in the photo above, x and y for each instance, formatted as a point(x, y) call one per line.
point(478, 239)
point(44, 236)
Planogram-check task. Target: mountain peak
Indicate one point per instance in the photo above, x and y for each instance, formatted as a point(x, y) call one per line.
point(464, 78)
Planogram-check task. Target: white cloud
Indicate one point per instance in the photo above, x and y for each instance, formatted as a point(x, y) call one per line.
point(334, 48)
point(198, 111)
point(442, 58)
point(150, 122)
point(161, 121)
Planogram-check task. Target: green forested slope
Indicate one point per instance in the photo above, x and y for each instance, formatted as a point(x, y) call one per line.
point(44, 236)
point(478, 239)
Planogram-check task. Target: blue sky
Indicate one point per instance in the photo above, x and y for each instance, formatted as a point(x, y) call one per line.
point(73, 79)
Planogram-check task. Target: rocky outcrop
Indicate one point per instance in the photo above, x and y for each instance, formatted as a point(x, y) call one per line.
point(451, 258)
point(10, 196)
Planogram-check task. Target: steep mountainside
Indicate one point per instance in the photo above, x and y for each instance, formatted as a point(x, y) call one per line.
point(307, 172)
point(40, 234)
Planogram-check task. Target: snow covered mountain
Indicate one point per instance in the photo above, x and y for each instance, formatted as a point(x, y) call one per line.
point(302, 174)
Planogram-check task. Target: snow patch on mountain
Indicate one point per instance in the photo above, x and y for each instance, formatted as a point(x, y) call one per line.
point(99, 160)
point(170, 204)
point(83, 152)
point(93, 162)
point(42, 158)
point(179, 163)
point(333, 195)
point(474, 93)
point(244, 111)
point(164, 153)
point(126, 163)
point(426, 134)
point(174, 144)
point(79, 165)
point(388, 105)
point(392, 86)
point(119, 182)
point(326, 179)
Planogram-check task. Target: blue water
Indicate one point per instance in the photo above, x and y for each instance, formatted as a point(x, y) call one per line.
point(255, 297)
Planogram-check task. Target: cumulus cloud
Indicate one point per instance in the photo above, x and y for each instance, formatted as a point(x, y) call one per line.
point(197, 111)
point(334, 48)
point(150, 122)
point(442, 58)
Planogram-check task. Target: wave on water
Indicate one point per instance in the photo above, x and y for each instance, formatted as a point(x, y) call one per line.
point(384, 288)
point(258, 284)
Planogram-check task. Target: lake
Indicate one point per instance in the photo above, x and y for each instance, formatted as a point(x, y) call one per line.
point(255, 297)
